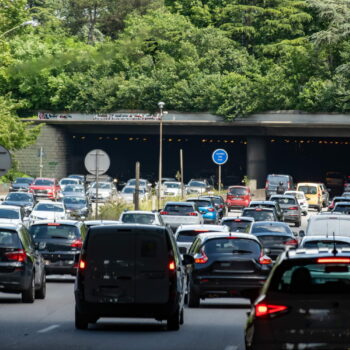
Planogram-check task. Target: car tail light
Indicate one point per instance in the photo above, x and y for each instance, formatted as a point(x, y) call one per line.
point(82, 264)
point(237, 220)
point(288, 185)
point(258, 209)
point(193, 214)
point(164, 213)
point(293, 208)
point(291, 242)
point(53, 224)
point(201, 258)
point(265, 260)
point(18, 255)
point(263, 310)
point(172, 265)
point(78, 243)
point(211, 209)
point(336, 260)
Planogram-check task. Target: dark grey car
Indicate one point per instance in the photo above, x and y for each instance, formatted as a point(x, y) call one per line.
point(274, 180)
point(291, 209)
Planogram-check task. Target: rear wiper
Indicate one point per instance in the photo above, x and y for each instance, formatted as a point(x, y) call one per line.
point(241, 251)
point(60, 237)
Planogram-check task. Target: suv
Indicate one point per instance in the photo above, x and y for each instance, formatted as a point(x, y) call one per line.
point(304, 303)
point(207, 208)
point(273, 181)
point(21, 266)
point(130, 271)
point(290, 207)
point(226, 265)
point(45, 188)
point(59, 242)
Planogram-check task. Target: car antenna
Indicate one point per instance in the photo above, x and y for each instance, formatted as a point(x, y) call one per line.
point(334, 251)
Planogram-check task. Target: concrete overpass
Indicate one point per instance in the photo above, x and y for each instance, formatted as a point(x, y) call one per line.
point(285, 141)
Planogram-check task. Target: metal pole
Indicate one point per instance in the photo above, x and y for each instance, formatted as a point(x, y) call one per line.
point(41, 163)
point(182, 173)
point(219, 178)
point(96, 183)
point(160, 156)
point(137, 186)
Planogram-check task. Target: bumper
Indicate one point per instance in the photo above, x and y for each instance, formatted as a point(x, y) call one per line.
point(237, 204)
point(291, 218)
point(14, 282)
point(60, 266)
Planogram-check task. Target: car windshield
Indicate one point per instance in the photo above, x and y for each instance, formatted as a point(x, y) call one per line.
point(42, 182)
point(138, 218)
point(188, 236)
point(71, 188)
point(237, 225)
point(23, 197)
point(284, 200)
point(171, 185)
point(266, 227)
point(54, 231)
point(128, 190)
point(23, 180)
point(175, 208)
point(308, 189)
point(317, 244)
point(313, 278)
point(236, 191)
point(273, 240)
point(196, 184)
point(49, 207)
point(201, 203)
point(259, 215)
point(276, 179)
point(9, 239)
point(74, 200)
point(232, 246)
point(9, 214)
point(68, 181)
point(133, 182)
point(103, 185)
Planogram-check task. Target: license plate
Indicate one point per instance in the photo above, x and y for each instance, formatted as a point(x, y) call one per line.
point(225, 264)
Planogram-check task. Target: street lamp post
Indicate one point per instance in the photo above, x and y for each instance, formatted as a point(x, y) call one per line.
point(26, 23)
point(161, 106)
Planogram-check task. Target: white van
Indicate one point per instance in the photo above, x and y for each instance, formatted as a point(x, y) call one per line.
point(327, 225)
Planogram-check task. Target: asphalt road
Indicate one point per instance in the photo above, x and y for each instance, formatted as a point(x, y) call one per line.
point(49, 324)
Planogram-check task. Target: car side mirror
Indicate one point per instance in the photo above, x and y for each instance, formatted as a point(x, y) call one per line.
point(187, 259)
point(301, 233)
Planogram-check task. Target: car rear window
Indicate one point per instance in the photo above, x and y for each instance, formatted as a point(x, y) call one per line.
point(325, 244)
point(9, 214)
point(314, 278)
point(49, 207)
point(342, 208)
point(188, 236)
point(134, 218)
point(237, 191)
point(276, 179)
point(196, 184)
point(283, 200)
point(54, 231)
point(237, 225)
point(258, 228)
point(259, 215)
point(267, 240)
point(43, 183)
point(174, 208)
point(232, 246)
point(74, 200)
point(201, 203)
point(9, 239)
point(68, 182)
point(308, 189)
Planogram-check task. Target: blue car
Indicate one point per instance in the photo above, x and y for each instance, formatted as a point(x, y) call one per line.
point(207, 208)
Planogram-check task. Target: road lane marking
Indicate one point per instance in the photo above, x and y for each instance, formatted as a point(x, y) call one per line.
point(231, 347)
point(48, 329)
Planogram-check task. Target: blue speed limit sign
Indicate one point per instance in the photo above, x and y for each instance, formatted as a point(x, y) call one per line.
point(220, 156)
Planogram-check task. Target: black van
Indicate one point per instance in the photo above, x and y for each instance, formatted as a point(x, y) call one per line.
point(130, 271)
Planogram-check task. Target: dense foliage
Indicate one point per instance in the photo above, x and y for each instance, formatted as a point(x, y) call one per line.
point(231, 57)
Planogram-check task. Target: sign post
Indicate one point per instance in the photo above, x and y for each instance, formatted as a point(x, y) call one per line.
point(219, 157)
point(97, 162)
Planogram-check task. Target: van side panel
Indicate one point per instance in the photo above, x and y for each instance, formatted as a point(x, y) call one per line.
point(110, 267)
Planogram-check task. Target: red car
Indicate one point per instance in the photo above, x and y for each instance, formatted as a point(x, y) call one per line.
point(238, 197)
point(45, 188)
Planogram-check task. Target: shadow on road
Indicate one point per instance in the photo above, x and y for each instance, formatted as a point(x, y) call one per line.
point(103, 326)
point(7, 300)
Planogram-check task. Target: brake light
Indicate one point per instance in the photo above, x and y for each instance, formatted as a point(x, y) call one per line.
point(211, 209)
point(18, 255)
point(172, 266)
point(164, 213)
point(78, 243)
point(82, 264)
point(293, 208)
point(193, 214)
point(258, 209)
point(291, 242)
point(53, 224)
point(262, 309)
point(201, 258)
point(237, 220)
point(264, 260)
point(333, 260)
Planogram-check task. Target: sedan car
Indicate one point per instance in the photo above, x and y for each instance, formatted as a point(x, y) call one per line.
point(260, 214)
point(342, 207)
point(238, 223)
point(269, 204)
point(73, 190)
point(68, 181)
point(48, 210)
point(105, 191)
point(21, 199)
point(141, 217)
point(21, 184)
point(226, 265)
point(22, 269)
point(197, 187)
point(290, 207)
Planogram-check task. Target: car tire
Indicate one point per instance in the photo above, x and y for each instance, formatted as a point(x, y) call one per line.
point(28, 295)
point(193, 298)
point(81, 320)
point(41, 292)
point(173, 322)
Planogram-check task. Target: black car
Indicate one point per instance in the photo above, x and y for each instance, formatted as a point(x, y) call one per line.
point(59, 243)
point(226, 265)
point(22, 267)
point(275, 237)
point(304, 303)
point(260, 214)
point(21, 184)
point(219, 203)
point(130, 271)
point(272, 204)
point(20, 199)
point(77, 207)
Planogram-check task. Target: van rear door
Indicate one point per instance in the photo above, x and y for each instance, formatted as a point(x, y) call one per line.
point(110, 267)
point(152, 260)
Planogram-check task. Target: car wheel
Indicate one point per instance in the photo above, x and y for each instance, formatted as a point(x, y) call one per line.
point(81, 320)
point(173, 322)
point(41, 292)
point(28, 295)
point(193, 298)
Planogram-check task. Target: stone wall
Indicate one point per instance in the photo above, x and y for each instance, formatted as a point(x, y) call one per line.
point(55, 145)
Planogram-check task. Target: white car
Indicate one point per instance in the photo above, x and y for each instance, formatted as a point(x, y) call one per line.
point(141, 217)
point(142, 183)
point(12, 214)
point(127, 194)
point(171, 189)
point(319, 242)
point(328, 224)
point(68, 181)
point(48, 210)
point(300, 196)
point(106, 191)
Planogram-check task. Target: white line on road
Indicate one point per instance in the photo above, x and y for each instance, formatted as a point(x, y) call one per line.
point(231, 347)
point(48, 329)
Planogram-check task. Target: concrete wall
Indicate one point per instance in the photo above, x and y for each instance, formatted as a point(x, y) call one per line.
point(55, 145)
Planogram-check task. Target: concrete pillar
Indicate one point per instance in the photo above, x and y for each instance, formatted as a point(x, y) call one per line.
point(256, 160)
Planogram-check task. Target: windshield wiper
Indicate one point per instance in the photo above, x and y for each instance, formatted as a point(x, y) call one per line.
point(241, 251)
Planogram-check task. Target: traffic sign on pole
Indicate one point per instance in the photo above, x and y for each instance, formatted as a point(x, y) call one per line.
point(5, 161)
point(220, 156)
point(97, 162)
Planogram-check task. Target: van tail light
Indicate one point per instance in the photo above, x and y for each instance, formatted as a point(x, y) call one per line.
point(264, 260)
point(293, 208)
point(211, 209)
point(17, 255)
point(172, 265)
point(78, 243)
point(265, 310)
point(201, 258)
point(164, 213)
point(292, 242)
point(193, 214)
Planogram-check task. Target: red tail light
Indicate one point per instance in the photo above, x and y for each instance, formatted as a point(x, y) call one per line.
point(164, 213)
point(18, 255)
point(172, 266)
point(78, 243)
point(193, 214)
point(201, 258)
point(291, 242)
point(237, 220)
point(82, 264)
point(333, 261)
point(293, 208)
point(263, 310)
point(265, 260)
point(211, 210)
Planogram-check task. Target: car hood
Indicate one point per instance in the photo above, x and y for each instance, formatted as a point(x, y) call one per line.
point(18, 203)
point(76, 206)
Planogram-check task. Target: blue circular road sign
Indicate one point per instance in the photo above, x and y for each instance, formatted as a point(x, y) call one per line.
point(219, 156)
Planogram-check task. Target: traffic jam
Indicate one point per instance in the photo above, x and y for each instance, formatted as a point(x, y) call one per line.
point(285, 251)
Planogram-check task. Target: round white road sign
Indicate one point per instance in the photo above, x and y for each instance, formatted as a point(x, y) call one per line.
point(97, 162)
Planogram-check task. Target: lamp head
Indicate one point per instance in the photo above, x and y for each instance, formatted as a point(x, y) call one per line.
point(161, 105)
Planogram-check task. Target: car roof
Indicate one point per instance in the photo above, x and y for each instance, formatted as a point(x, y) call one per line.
point(213, 235)
point(312, 253)
point(271, 223)
point(282, 196)
point(296, 192)
point(197, 199)
point(219, 228)
point(232, 218)
point(238, 186)
point(342, 203)
point(47, 201)
point(46, 178)
point(10, 226)
point(179, 203)
point(331, 217)
point(138, 212)
point(102, 222)
point(259, 209)
point(263, 202)
point(308, 183)
point(63, 222)
point(123, 227)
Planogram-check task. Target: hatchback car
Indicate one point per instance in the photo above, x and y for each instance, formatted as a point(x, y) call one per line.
point(12, 214)
point(48, 210)
point(226, 265)
point(22, 268)
point(21, 184)
point(300, 196)
point(219, 203)
point(304, 303)
point(130, 271)
point(21, 199)
point(238, 223)
point(260, 214)
point(77, 206)
point(45, 188)
point(238, 197)
point(59, 243)
point(336, 200)
point(73, 190)
point(342, 207)
point(290, 207)
point(68, 181)
point(269, 204)
point(207, 208)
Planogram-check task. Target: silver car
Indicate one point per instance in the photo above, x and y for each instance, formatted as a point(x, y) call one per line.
point(141, 217)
